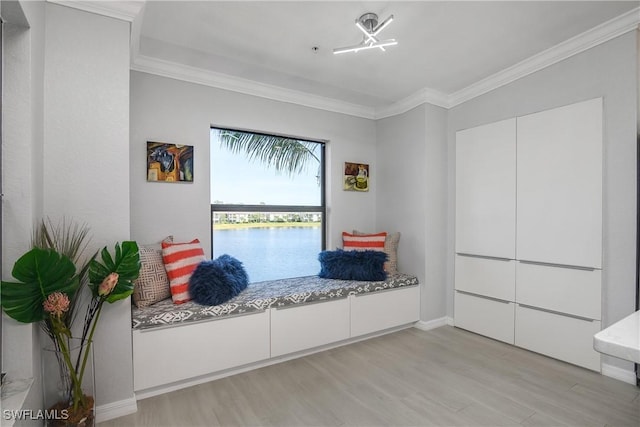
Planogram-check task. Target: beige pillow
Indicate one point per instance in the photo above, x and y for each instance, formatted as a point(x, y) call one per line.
point(391, 249)
point(152, 284)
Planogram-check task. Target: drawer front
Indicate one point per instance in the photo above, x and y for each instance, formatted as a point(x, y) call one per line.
point(566, 290)
point(561, 337)
point(307, 326)
point(383, 310)
point(163, 356)
point(492, 277)
point(484, 316)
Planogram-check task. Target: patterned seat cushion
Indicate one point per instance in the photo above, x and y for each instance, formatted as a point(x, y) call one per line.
point(261, 296)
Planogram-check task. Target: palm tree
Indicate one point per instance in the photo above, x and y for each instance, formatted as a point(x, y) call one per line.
point(291, 156)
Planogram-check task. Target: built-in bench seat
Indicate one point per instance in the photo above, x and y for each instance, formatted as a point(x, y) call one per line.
point(175, 346)
point(261, 296)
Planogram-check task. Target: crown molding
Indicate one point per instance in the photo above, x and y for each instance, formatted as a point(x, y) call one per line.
point(123, 10)
point(187, 73)
point(423, 96)
point(602, 33)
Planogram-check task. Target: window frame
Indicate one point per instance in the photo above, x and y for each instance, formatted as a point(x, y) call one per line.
point(321, 208)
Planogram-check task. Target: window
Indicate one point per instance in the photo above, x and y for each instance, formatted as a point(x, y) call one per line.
point(267, 202)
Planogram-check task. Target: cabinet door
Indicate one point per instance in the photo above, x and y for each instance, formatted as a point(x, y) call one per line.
point(559, 185)
point(485, 190)
point(378, 311)
point(297, 328)
point(201, 348)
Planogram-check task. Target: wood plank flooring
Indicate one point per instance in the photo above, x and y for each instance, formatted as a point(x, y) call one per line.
point(442, 377)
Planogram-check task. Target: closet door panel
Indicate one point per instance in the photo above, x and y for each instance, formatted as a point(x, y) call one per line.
point(485, 316)
point(485, 190)
point(559, 185)
point(494, 278)
point(562, 337)
point(566, 290)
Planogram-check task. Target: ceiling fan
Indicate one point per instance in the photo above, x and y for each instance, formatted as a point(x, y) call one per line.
point(368, 24)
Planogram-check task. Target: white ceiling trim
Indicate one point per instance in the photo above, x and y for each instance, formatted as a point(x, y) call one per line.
point(423, 96)
point(123, 10)
point(590, 38)
point(249, 87)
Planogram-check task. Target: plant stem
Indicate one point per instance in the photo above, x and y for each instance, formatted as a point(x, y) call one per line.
point(90, 339)
point(88, 319)
point(77, 389)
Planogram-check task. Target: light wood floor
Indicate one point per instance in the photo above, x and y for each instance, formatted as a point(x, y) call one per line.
point(442, 377)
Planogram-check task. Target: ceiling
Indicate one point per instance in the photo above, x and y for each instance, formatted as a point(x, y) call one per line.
point(443, 46)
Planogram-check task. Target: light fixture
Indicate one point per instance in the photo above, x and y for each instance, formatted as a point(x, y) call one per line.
point(368, 24)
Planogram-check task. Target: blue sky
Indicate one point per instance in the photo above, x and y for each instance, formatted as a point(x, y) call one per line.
point(235, 180)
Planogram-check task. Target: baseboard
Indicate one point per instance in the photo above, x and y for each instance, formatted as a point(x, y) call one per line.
point(117, 409)
point(432, 324)
point(619, 374)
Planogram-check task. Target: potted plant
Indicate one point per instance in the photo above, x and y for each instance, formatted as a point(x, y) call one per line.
point(47, 291)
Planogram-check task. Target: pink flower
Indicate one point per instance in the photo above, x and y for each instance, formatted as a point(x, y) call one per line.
point(56, 304)
point(108, 284)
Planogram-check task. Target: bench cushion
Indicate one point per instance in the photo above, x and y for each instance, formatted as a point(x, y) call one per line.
point(261, 296)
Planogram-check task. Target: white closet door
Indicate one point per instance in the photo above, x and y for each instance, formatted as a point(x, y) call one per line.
point(486, 190)
point(559, 190)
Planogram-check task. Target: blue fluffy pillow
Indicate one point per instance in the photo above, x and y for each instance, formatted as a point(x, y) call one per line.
point(217, 281)
point(353, 265)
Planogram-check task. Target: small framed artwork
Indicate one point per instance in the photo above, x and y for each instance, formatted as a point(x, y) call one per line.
point(169, 162)
point(356, 177)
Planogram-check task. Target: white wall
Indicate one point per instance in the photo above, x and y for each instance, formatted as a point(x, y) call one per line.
point(608, 70)
point(86, 152)
point(68, 104)
point(436, 163)
point(173, 111)
point(411, 199)
point(21, 171)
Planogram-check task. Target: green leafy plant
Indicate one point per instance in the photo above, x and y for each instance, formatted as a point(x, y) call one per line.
point(48, 285)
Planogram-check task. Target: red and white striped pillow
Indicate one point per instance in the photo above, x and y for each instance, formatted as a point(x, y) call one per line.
point(363, 242)
point(180, 260)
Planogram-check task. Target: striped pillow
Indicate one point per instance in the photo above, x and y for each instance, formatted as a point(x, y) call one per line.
point(391, 248)
point(363, 242)
point(180, 260)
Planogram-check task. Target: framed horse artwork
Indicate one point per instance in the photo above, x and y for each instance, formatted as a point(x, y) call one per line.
point(169, 162)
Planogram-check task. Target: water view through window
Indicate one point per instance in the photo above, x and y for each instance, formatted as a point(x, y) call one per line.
point(271, 252)
point(267, 203)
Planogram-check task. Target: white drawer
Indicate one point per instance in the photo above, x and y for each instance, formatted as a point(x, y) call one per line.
point(307, 326)
point(163, 356)
point(383, 310)
point(566, 290)
point(489, 317)
point(492, 277)
point(561, 337)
